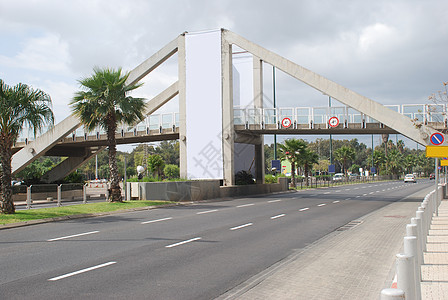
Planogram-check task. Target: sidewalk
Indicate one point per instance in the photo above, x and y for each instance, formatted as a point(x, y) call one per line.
point(353, 264)
point(435, 268)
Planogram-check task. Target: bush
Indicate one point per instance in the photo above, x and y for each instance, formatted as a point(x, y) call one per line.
point(268, 178)
point(171, 171)
point(243, 178)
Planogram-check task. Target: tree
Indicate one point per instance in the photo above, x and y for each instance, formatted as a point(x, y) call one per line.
point(394, 161)
point(307, 159)
point(344, 155)
point(155, 165)
point(19, 105)
point(104, 102)
point(290, 150)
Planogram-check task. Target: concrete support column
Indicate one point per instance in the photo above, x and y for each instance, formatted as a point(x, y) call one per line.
point(182, 107)
point(258, 103)
point(228, 131)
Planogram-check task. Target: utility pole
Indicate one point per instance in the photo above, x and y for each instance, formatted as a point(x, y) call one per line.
point(275, 106)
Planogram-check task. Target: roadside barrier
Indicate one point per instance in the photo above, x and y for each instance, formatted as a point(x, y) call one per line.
point(408, 264)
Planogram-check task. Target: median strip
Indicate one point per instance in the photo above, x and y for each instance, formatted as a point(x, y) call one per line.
point(82, 271)
point(72, 236)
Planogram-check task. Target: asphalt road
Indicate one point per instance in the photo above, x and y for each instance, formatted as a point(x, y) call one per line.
point(188, 252)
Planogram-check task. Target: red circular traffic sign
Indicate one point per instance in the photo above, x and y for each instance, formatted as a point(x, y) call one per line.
point(286, 122)
point(437, 138)
point(333, 122)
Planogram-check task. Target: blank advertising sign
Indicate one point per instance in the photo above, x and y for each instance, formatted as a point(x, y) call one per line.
point(203, 105)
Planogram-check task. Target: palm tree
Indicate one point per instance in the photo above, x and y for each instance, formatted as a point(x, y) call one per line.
point(343, 155)
point(104, 102)
point(290, 150)
point(307, 159)
point(394, 161)
point(19, 105)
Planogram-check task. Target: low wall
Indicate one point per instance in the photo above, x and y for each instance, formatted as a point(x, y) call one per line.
point(197, 190)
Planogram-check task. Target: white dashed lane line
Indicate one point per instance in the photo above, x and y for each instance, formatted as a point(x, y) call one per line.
point(322, 204)
point(82, 271)
point(273, 201)
point(337, 201)
point(278, 216)
point(72, 236)
point(206, 212)
point(245, 205)
point(183, 242)
point(303, 209)
point(241, 226)
point(155, 221)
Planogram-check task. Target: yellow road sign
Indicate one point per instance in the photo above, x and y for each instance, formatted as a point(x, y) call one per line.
point(436, 151)
point(444, 163)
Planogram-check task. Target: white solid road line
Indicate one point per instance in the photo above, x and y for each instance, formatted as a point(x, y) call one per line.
point(72, 236)
point(278, 216)
point(206, 212)
point(323, 204)
point(245, 205)
point(303, 209)
point(183, 242)
point(273, 201)
point(82, 271)
point(241, 226)
point(158, 220)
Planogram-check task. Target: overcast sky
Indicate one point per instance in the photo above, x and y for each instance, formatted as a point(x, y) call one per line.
point(394, 52)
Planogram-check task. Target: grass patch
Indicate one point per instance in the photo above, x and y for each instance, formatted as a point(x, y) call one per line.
point(90, 208)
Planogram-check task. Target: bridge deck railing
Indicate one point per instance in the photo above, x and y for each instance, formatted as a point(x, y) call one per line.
point(302, 116)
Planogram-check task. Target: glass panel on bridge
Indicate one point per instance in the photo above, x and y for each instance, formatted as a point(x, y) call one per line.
point(270, 116)
point(303, 115)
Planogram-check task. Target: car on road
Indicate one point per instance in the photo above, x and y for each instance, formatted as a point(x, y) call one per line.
point(338, 176)
point(410, 178)
point(432, 176)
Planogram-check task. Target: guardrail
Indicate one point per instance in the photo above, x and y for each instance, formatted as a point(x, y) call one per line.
point(408, 263)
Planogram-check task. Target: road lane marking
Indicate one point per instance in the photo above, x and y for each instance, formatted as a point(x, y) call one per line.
point(347, 190)
point(273, 201)
point(371, 193)
point(206, 212)
point(358, 196)
point(82, 271)
point(158, 220)
point(278, 216)
point(241, 226)
point(364, 194)
point(72, 236)
point(245, 205)
point(327, 193)
point(337, 201)
point(323, 204)
point(183, 242)
point(303, 209)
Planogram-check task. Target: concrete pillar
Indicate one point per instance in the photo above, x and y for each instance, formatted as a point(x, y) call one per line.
point(182, 107)
point(258, 103)
point(228, 131)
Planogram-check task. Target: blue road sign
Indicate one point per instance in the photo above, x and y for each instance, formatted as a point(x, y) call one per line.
point(437, 138)
point(331, 169)
point(276, 164)
point(373, 170)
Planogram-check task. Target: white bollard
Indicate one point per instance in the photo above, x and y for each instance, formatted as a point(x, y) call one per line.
point(418, 223)
point(411, 230)
point(84, 194)
point(410, 248)
point(59, 195)
point(28, 197)
point(419, 216)
point(405, 275)
point(392, 294)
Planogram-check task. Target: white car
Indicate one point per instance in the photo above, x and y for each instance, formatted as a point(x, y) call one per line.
point(338, 176)
point(410, 178)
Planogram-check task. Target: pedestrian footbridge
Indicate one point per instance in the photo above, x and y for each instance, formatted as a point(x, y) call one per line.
point(210, 75)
